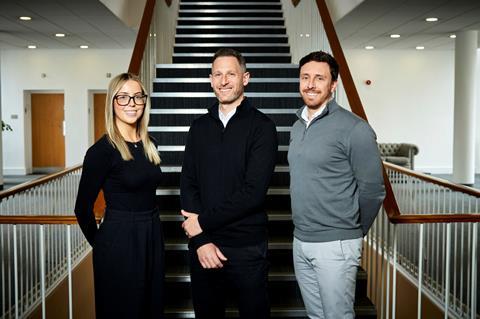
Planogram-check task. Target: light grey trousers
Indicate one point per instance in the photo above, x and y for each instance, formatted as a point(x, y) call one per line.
point(326, 273)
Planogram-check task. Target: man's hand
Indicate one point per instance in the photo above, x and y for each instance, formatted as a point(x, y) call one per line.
point(191, 225)
point(210, 256)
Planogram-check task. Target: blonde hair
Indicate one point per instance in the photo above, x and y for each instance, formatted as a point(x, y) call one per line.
point(113, 133)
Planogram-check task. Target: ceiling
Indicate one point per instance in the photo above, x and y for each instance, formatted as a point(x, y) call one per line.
point(89, 22)
point(372, 22)
point(85, 22)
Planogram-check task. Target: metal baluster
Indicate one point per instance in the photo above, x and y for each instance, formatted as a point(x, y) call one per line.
point(387, 302)
point(420, 273)
point(2, 263)
point(447, 271)
point(394, 283)
point(42, 270)
point(69, 268)
point(474, 288)
point(15, 271)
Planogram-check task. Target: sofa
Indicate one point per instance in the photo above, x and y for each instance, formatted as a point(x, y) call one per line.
point(401, 154)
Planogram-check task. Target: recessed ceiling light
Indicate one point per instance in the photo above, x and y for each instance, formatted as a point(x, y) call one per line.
point(432, 19)
point(452, 36)
point(32, 46)
point(60, 35)
point(25, 18)
point(369, 47)
point(394, 36)
point(420, 47)
point(84, 47)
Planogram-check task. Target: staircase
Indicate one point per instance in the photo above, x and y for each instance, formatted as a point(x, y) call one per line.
point(182, 92)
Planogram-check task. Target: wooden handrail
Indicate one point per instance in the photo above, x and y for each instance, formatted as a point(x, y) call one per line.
point(435, 218)
point(390, 204)
point(40, 219)
point(39, 181)
point(142, 36)
point(434, 180)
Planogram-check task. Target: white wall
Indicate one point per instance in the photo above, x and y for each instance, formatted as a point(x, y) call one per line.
point(477, 122)
point(76, 73)
point(166, 23)
point(410, 100)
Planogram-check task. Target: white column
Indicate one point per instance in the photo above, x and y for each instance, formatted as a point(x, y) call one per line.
point(464, 108)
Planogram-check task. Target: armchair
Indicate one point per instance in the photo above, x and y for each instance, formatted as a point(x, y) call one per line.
point(401, 154)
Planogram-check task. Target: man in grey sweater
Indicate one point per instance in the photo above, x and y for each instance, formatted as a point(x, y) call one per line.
point(336, 188)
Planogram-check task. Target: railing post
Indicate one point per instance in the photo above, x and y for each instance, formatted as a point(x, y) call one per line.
point(42, 270)
point(69, 266)
point(394, 283)
point(420, 272)
point(15, 271)
point(474, 287)
point(387, 248)
point(447, 271)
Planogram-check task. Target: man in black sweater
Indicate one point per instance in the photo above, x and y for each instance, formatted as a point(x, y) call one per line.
point(229, 159)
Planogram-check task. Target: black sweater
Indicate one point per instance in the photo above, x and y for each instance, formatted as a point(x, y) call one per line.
point(226, 173)
point(127, 185)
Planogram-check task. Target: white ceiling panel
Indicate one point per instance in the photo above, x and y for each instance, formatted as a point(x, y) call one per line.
point(84, 21)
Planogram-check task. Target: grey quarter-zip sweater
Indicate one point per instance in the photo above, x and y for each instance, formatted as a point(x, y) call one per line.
point(336, 179)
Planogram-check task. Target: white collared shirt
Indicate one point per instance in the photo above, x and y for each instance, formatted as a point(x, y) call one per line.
point(226, 118)
point(317, 113)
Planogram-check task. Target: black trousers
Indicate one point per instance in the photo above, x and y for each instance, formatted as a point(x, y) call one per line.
point(128, 266)
point(243, 277)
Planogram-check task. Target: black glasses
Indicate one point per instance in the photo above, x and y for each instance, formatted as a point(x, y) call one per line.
point(124, 100)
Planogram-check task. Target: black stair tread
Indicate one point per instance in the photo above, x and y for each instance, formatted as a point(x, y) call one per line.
point(274, 242)
point(274, 215)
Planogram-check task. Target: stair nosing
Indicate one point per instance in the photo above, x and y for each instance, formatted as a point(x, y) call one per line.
point(230, 19)
point(209, 65)
point(207, 80)
point(179, 128)
point(178, 169)
point(205, 110)
point(222, 35)
point(211, 94)
point(207, 3)
point(243, 44)
point(198, 54)
point(230, 10)
point(176, 191)
point(257, 26)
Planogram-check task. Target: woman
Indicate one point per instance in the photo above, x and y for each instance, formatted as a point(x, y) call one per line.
point(128, 249)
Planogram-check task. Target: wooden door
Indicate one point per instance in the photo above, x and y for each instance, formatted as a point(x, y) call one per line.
point(99, 130)
point(99, 115)
point(48, 141)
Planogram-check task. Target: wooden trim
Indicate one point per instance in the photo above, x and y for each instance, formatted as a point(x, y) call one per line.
point(434, 180)
point(39, 181)
point(390, 204)
point(40, 219)
point(435, 218)
point(142, 37)
point(347, 79)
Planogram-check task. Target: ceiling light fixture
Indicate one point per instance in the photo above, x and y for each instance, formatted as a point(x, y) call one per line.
point(60, 35)
point(432, 19)
point(420, 47)
point(394, 36)
point(32, 46)
point(25, 18)
point(369, 47)
point(84, 47)
point(452, 36)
